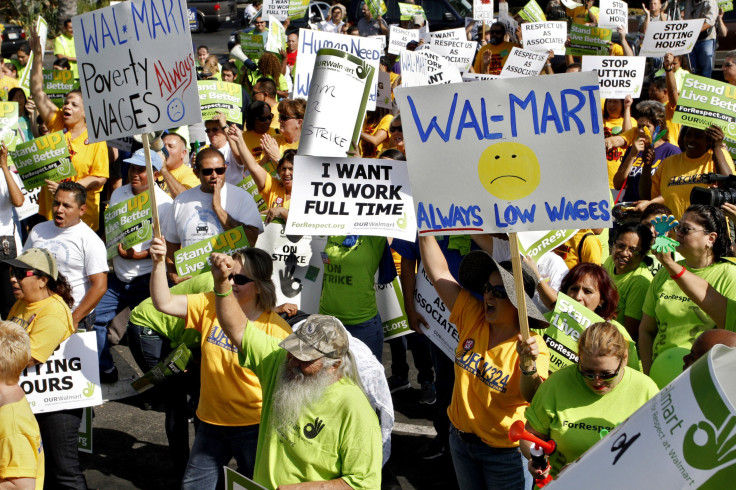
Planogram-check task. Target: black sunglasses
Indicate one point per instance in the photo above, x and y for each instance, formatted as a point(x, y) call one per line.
point(208, 171)
point(286, 118)
point(602, 377)
point(395, 128)
point(240, 279)
point(497, 291)
point(20, 274)
point(212, 130)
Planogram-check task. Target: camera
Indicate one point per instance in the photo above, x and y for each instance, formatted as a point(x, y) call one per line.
point(715, 196)
point(203, 75)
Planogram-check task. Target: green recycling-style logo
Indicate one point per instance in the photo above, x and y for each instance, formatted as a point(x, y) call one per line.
point(64, 168)
point(89, 390)
point(144, 230)
point(361, 71)
point(401, 222)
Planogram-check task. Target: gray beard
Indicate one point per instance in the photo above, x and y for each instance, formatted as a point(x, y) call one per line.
point(294, 392)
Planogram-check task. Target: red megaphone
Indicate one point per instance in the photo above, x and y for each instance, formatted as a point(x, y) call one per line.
point(517, 432)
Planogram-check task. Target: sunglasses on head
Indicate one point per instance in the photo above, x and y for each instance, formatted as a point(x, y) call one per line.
point(496, 291)
point(240, 279)
point(208, 171)
point(395, 128)
point(212, 130)
point(20, 274)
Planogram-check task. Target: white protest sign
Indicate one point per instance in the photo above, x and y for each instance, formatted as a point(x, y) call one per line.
point(384, 91)
point(426, 68)
point(457, 34)
point(398, 38)
point(543, 36)
point(30, 203)
point(338, 94)
point(571, 4)
point(136, 68)
point(285, 9)
point(276, 39)
point(236, 481)
point(614, 14)
point(381, 38)
point(676, 37)
point(475, 77)
point(459, 52)
point(499, 135)
point(390, 305)
point(483, 9)
point(357, 196)
point(311, 41)
point(70, 378)
point(428, 304)
point(618, 76)
point(424, 34)
point(42, 30)
point(523, 63)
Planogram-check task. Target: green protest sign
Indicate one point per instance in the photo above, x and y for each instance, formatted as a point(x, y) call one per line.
point(41, 159)
point(252, 45)
point(538, 243)
point(84, 435)
point(408, 11)
point(725, 5)
point(704, 102)
point(58, 83)
point(297, 8)
point(390, 303)
point(175, 363)
point(589, 40)
point(8, 123)
point(532, 12)
point(247, 184)
point(378, 7)
point(128, 223)
point(225, 97)
point(276, 41)
point(195, 259)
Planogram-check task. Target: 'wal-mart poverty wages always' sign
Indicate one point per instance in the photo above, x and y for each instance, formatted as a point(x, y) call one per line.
point(516, 155)
point(136, 68)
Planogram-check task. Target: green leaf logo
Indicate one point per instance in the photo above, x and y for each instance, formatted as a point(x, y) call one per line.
point(89, 390)
point(65, 167)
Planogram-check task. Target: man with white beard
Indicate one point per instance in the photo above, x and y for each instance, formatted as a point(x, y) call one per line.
point(318, 429)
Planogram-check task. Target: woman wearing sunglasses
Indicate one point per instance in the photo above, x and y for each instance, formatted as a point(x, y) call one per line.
point(258, 119)
point(291, 117)
point(230, 396)
point(491, 388)
point(581, 403)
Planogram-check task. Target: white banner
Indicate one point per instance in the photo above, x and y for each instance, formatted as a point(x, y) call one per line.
point(283, 9)
point(42, 29)
point(614, 13)
point(475, 77)
point(618, 76)
point(423, 67)
point(382, 39)
point(676, 37)
point(523, 63)
point(136, 68)
point(70, 378)
point(398, 38)
point(384, 91)
point(428, 304)
point(543, 36)
point(457, 34)
point(276, 40)
point(483, 9)
point(459, 52)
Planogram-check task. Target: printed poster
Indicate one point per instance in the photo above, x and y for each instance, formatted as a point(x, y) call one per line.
point(539, 243)
point(398, 38)
point(195, 259)
point(532, 12)
point(523, 63)
point(618, 76)
point(58, 83)
point(589, 40)
point(25, 77)
point(390, 302)
point(483, 9)
point(384, 91)
point(128, 223)
point(428, 304)
point(704, 101)
point(43, 158)
point(543, 36)
point(252, 44)
point(276, 39)
point(236, 481)
point(8, 124)
point(459, 52)
point(285, 9)
point(676, 37)
point(423, 67)
point(377, 8)
point(614, 14)
point(216, 96)
point(409, 10)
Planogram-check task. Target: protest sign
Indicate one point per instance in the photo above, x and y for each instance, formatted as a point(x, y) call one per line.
point(252, 44)
point(538, 243)
point(285, 9)
point(571, 4)
point(457, 34)
point(30, 203)
point(428, 304)
point(459, 52)
point(543, 36)
point(193, 19)
point(249, 185)
point(195, 259)
point(475, 77)
point(523, 63)
point(377, 8)
point(398, 38)
point(310, 42)
point(84, 435)
point(70, 378)
point(532, 12)
point(585, 40)
point(704, 101)
point(236, 481)
point(408, 10)
point(175, 363)
point(725, 5)
point(43, 158)
point(358, 196)
point(505, 178)
point(390, 303)
point(128, 223)
point(382, 39)
point(58, 83)
point(8, 124)
point(483, 9)
point(681, 438)
point(135, 71)
point(338, 95)
point(384, 91)
point(25, 76)
point(676, 37)
point(122, 144)
point(426, 68)
point(618, 76)
point(276, 39)
point(216, 96)
point(614, 14)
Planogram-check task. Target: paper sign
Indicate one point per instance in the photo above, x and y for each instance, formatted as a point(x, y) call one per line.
point(276, 39)
point(390, 303)
point(338, 95)
point(475, 77)
point(25, 77)
point(398, 38)
point(236, 481)
point(614, 14)
point(428, 304)
point(249, 185)
point(676, 37)
point(175, 363)
point(408, 10)
point(70, 378)
point(216, 96)
point(523, 63)
point(543, 36)
point(618, 76)
point(532, 12)
point(84, 435)
point(43, 158)
point(128, 223)
point(285, 9)
point(195, 259)
point(704, 101)
point(423, 67)
point(586, 40)
point(30, 203)
point(725, 5)
point(457, 34)
point(8, 123)
point(377, 8)
point(58, 83)
point(384, 91)
point(571, 4)
point(381, 38)
point(357, 196)
point(488, 128)
point(310, 42)
point(538, 243)
point(459, 52)
point(193, 19)
point(136, 70)
point(252, 44)
point(483, 9)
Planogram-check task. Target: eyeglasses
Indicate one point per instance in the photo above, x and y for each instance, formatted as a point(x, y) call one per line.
point(286, 118)
point(602, 376)
point(497, 291)
point(264, 118)
point(620, 247)
point(20, 274)
point(208, 171)
point(680, 230)
point(393, 129)
point(212, 130)
point(728, 65)
point(240, 279)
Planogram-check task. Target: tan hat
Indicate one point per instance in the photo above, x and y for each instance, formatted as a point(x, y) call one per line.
point(36, 258)
point(319, 336)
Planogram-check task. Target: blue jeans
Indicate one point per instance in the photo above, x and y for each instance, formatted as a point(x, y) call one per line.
point(213, 447)
point(701, 58)
point(371, 333)
point(59, 435)
point(480, 467)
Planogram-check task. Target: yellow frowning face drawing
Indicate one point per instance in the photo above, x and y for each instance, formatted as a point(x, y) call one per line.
point(509, 170)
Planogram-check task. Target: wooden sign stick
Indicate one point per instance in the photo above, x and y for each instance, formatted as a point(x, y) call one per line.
point(519, 285)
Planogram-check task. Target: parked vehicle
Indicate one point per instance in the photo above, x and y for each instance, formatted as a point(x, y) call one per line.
point(13, 36)
point(211, 13)
point(441, 14)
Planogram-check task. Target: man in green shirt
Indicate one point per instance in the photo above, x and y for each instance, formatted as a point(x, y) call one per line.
point(64, 46)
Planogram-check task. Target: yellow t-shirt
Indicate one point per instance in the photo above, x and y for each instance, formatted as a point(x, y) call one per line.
point(579, 15)
point(253, 142)
point(673, 129)
point(613, 127)
point(367, 150)
point(677, 175)
point(229, 395)
point(274, 193)
point(21, 451)
point(283, 146)
point(591, 251)
point(7, 83)
point(64, 46)
point(499, 54)
point(486, 398)
point(185, 176)
point(88, 159)
point(275, 119)
point(48, 323)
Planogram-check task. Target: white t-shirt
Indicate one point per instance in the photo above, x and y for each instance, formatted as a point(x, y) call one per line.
point(234, 172)
point(128, 269)
point(329, 26)
point(79, 253)
point(192, 218)
point(7, 228)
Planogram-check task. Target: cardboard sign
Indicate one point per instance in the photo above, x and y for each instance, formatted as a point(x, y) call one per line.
point(538, 243)
point(428, 304)
point(381, 38)
point(618, 76)
point(419, 68)
point(357, 196)
point(70, 378)
point(676, 37)
point(499, 135)
point(586, 40)
point(681, 438)
point(216, 96)
point(236, 481)
point(725, 5)
point(84, 435)
point(249, 185)
point(543, 36)
point(25, 76)
point(136, 68)
point(614, 14)
point(8, 124)
point(523, 63)
point(128, 223)
point(58, 83)
point(338, 95)
point(459, 52)
point(390, 303)
point(398, 38)
point(175, 363)
point(483, 9)
point(408, 10)
point(276, 39)
point(377, 8)
point(532, 12)
point(384, 91)
point(285, 9)
point(195, 259)
point(704, 101)
point(475, 77)
point(43, 158)
point(310, 42)
point(252, 44)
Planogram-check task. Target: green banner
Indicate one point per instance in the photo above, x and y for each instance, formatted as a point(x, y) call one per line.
point(195, 259)
point(43, 158)
point(589, 40)
point(248, 185)
point(390, 301)
point(725, 5)
point(541, 242)
point(704, 102)
point(175, 363)
point(297, 8)
point(252, 45)
point(378, 8)
point(128, 222)
point(8, 124)
point(84, 436)
point(407, 11)
point(225, 97)
point(532, 12)
point(58, 83)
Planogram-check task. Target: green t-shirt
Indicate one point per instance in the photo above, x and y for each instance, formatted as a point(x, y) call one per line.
point(730, 315)
point(347, 446)
point(632, 289)
point(349, 276)
point(566, 409)
point(679, 320)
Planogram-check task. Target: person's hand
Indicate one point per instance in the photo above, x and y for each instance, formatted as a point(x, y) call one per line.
point(30, 106)
point(647, 158)
point(417, 322)
point(716, 134)
point(665, 258)
point(729, 210)
point(609, 143)
point(131, 254)
point(221, 266)
point(640, 144)
point(270, 148)
point(217, 189)
point(527, 349)
point(622, 32)
point(289, 308)
point(486, 60)
point(646, 11)
point(528, 260)
point(234, 132)
point(36, 42)
point(275, 212)
point(536, 472)
point(518, 32)
point(720, 14)
point(221, 120)
point(3, 155)
point(668, 60)
point(640, 206)
point(51, 186)
point(628, 101)
point(282, 52)
point(175, 278)
point(551, 56)
point(158, 248)
point(567, 42)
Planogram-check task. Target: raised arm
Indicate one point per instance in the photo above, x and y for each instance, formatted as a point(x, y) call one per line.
point(259, 174)
point(43, 103)
point(719, 156)
point(163, 300)
point(229, 313)
point(439, 273)
point(16, 195)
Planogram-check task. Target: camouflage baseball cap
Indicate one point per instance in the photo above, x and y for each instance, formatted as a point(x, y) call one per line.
point(319, 336)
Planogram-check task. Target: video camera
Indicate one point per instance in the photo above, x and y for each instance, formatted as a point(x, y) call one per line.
point(726, 193)
point(203, 75)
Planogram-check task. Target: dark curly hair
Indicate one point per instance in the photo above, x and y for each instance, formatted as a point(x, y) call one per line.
point(712, 220)
point(609, 294)
point(645, 237)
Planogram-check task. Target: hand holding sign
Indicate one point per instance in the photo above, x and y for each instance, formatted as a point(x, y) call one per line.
point(662, 225)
